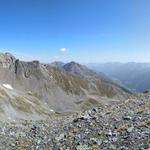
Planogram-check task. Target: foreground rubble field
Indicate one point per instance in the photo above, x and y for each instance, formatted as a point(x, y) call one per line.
point(119, 126)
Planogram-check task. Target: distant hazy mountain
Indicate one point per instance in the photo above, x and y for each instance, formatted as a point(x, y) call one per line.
point(81, 71)
point(135, 76)
point(58, 64)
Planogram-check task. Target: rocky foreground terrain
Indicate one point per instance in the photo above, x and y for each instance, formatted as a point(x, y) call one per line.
point(122, 125)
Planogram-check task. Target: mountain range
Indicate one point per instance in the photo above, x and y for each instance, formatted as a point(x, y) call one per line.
point(135, 76)
point(34, 90)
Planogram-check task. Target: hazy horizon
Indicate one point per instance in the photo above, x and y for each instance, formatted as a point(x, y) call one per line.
point(83, 31)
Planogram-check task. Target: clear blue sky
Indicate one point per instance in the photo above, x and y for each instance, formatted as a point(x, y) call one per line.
point(79, 30)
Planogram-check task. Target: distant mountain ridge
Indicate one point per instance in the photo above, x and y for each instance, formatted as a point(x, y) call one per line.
point(85, 73)
point(135, 76)
point(58, 64)
point(79, 70)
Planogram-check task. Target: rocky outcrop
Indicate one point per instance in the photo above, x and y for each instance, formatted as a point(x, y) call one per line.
point(7, 60)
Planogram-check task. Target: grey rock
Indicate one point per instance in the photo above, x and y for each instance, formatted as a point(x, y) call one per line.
point(130, 129)
point(127, 118)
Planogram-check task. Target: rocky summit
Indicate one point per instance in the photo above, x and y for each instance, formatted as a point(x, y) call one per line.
point(117, 126)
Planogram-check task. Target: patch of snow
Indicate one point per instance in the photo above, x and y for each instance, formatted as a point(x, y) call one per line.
point(8, 86)
point(51, 110)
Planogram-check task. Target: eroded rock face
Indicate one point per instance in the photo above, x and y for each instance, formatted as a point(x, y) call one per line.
point(7, 60)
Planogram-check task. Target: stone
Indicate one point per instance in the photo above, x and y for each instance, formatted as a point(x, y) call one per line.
point(83, 147)
point(109, 133)
point(130, 129)
point(127, 118)
point(60, 137)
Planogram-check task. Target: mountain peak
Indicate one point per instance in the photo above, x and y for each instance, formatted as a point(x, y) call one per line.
point(72, 66)
point(73, 63)
point(6, 60)
point(80, 70)
point(58, 64)
point(7, 54)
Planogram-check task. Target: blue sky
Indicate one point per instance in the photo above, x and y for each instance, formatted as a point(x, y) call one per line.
point(81, 30)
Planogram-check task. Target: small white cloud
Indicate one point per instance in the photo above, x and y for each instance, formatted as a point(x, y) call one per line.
point(63, 50)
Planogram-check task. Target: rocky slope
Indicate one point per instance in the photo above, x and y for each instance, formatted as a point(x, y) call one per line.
point(50, 88)
point(117, 126)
